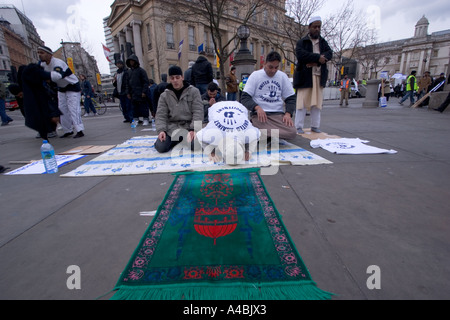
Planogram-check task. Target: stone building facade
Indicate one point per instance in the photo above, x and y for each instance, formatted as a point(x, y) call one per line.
point(423, 52)
point(155, 35)
point(83, 62)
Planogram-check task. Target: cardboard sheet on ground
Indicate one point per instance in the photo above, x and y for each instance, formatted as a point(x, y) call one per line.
point(314, 136)
point(37, 167)
point(88, 150)
point(348, 146)
point(138, 156)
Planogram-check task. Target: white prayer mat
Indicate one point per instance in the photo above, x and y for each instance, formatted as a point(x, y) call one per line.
point(37, 167)
point(348, 146)
point(138, 156)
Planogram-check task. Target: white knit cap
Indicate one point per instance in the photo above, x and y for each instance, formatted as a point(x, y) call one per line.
point(314, 19)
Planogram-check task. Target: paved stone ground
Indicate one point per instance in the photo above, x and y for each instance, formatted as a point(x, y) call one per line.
point(391, 211)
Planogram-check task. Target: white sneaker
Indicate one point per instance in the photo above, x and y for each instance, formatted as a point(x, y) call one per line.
point(146, 122)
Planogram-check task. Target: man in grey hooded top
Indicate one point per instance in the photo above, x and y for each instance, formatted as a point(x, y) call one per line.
point(137, 88)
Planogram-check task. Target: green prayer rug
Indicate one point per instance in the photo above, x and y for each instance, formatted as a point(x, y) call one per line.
point(217, 236)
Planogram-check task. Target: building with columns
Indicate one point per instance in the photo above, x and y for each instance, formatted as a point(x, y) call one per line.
point(155, 34)
point(423, 52)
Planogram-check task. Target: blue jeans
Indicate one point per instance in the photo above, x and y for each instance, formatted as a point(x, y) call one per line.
point(3, 115)
point(127, 108)
point(231, 96)
point(202, 87)
point(89, 106)
point(410, 95)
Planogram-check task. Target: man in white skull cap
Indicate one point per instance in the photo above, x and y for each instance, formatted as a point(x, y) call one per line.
point(229, 132)
point(311, 75)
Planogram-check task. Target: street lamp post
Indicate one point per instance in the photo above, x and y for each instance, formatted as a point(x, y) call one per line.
point(244, 60)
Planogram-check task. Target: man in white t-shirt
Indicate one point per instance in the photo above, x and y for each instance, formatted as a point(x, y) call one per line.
point(269, 95)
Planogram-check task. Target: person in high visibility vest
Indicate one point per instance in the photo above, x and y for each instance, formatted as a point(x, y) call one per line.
point(411, 87)
point(345, 90)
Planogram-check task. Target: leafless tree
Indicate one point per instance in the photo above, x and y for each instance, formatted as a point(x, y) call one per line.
point(346, 31)
point(372, 57)
point(213, 15)
point(293, 26)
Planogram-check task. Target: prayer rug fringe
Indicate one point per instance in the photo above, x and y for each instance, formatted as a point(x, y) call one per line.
point(241, 291)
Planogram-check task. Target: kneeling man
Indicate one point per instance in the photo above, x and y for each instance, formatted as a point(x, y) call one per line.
point(266, 93)
point(229, 133)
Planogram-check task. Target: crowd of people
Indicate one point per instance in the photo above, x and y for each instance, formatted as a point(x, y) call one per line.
point(268, 106)
point(275, 108)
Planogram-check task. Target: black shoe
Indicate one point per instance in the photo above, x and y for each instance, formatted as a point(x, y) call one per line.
point(79, 135)
point(2, 169)
point(127, 121)
point(437, 109)
point(65, 135)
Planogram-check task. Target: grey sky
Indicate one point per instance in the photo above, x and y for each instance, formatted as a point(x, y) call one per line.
point(54, 18)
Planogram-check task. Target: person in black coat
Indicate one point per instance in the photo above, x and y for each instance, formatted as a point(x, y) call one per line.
point(137, 89)
point(202, 73)
point(160, 88)
point(311, 74)
point(40, 99)
point(120, 84)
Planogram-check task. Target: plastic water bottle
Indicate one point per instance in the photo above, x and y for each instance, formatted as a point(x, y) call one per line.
point(133, 126)
point(153, 125)
point(48, 156)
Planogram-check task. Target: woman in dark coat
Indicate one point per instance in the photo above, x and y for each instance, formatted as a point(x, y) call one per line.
point(40, 99)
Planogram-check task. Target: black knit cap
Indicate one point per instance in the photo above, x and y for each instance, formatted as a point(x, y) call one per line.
point(175, 71)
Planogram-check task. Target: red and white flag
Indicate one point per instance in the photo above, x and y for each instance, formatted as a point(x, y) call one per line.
point(107, 52)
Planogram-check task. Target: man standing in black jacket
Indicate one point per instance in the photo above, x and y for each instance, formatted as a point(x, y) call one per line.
point(121, 84)
point(137, 89)
point(202, 73)
point(311, 75)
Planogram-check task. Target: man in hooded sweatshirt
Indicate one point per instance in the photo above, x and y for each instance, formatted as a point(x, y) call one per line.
point(202, 73)
point(179, 107)
point(137, 88)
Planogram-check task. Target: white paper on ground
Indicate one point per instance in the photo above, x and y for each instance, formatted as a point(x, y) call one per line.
point(348, 146)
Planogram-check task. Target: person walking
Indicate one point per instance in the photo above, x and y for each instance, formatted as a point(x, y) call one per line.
point(121, 84)
point(411, 87)
point(232, 85)
point(40, 99)
point(88, 93)
point(137, 90)
point(345, 90)
point(202, 73)
point(69, 93)
point(5, 118)
point(424, 84)
point(311, 74)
